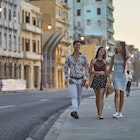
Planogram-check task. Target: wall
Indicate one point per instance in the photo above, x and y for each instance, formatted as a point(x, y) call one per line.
point(13, 84)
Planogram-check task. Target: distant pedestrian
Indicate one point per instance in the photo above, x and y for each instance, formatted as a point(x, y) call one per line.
point(129, 79)
point(119, 76)
point(1, 85)
point(98, 69)
point(76, 73)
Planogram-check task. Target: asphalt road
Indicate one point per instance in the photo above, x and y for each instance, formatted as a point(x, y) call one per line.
point(22, 114)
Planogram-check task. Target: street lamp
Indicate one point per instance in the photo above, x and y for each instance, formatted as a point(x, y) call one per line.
point(44, 19)
point(49, 27)
point(82, 38)
point(0, 7)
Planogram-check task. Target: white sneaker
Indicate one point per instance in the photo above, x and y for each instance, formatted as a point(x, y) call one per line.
point(116, 115)
point(120, 114)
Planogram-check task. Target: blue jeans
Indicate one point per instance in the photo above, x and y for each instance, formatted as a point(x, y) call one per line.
point(76, 93)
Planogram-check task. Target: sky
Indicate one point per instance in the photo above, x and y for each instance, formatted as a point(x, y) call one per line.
point(127, 21)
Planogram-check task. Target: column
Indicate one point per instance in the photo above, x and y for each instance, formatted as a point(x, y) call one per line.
point(13, 70)
point(2, 70)
point(21, 68)
point(31, 77)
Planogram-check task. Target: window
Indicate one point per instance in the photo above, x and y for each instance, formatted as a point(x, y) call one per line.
point(23, 44)
point(88, 22)
point(9, 15)
point(34, 21)
point(15, 70)
point(98, 0)
point(10, 42)
point(4, 70)
point(99, 22)
point(5, 40)
point(88, 11)
point(78, 0)
point(10, 70)
point(34, 46)
point(38, 44)
point(5, 13)
point(27, 19)
point(15, 42)
point(27, 45)
point(14, 16)
point(78, 24)
point(98, 11)
point(79, 12)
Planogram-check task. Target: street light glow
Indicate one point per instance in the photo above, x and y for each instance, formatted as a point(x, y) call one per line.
point(82, 38)
point(49, 27)
point(0, 8)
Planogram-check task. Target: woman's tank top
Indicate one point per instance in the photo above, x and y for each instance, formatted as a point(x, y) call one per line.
point(99, 65)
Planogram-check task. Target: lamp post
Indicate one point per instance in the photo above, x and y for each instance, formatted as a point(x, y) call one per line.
point(44, 19)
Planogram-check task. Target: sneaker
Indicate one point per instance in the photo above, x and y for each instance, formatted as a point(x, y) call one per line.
point(120, 114)
point(74, 115)
point(116, 115)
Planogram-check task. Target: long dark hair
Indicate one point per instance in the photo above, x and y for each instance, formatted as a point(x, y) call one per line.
point(123, 52)
point(97, 53)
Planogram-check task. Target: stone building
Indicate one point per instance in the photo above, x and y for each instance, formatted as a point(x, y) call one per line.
point(10, 42)
point(55, 41)
point(30, 19)
point(20, 45)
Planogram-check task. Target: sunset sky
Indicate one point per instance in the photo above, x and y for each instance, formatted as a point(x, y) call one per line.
point(127, 21)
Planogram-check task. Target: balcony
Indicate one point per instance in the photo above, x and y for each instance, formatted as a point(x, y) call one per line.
point(31, 55)
point(31, 28)
point(110, 18)
point(109, 29)
point(109, 5)
point(111, 42)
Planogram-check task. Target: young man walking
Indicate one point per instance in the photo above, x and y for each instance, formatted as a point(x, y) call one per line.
point(76, 73)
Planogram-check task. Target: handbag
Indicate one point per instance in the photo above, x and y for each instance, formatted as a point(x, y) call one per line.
point(109, 87)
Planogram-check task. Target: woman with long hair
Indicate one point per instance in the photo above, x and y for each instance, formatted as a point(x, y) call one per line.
point(98, 69)
point(119, 76)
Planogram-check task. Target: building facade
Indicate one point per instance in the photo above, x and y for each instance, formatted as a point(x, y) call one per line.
point(20, 44)
point(10, 42)
point(92, 18)
point(55, 42)
point(30, 19)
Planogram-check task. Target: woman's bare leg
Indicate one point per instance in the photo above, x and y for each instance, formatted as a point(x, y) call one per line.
point(97, 100)
point(121, 101)
point(117, 100)
point(101, 101)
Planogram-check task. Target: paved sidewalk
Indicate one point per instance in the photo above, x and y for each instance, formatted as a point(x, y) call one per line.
point(89, 127)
